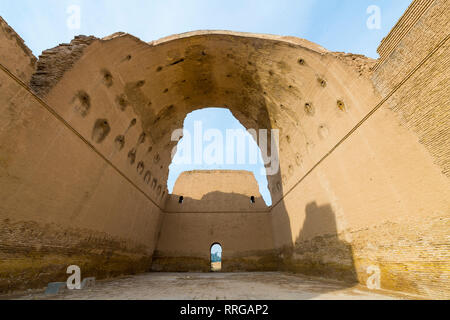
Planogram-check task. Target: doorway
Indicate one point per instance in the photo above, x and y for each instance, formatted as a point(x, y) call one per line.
point(216, 257)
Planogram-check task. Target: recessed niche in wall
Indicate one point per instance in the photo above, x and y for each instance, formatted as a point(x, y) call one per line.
point(122, 102)
point(298, 159)
point(142, 138)
point(82, 103)
point(132, 156)
point(341, 105)
point(107, 78)
point(288, 139)
point(140, 83)
point(101, 130)
point(147, 177)
point(291, 169)
point(309, 109)
point(119, 142)
point(140, 167)
point(322, 82)
point(323, 131)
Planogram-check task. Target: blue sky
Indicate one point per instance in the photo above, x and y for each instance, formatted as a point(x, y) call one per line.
point(216, 248)
point(338, 25)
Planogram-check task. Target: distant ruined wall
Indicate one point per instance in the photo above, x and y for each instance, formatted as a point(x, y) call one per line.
point(186, 238)
point(216, 208)
point(216, 190)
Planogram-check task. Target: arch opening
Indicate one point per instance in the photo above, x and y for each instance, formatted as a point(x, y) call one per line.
point(216, 257)
point(213, 139)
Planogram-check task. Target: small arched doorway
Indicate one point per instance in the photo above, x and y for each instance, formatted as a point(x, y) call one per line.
point(216, 257)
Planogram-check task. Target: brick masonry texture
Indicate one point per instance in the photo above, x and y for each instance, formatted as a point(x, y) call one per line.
point(364, 150)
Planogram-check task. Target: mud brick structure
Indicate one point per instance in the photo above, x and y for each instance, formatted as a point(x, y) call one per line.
point(364, 180)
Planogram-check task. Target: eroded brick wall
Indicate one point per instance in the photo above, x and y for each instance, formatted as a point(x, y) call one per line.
point(383, 192)
point(62, 202)
point(14, 54)
point(421, 101)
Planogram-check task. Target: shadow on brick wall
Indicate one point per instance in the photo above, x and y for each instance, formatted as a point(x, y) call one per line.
point(318, 250)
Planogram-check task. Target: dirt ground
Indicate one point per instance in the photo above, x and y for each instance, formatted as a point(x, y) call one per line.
point(216, 266)
point(217, 286)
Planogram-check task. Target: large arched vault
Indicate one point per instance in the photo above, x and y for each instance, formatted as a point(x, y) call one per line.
point(85, 146)
point(311, 95)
